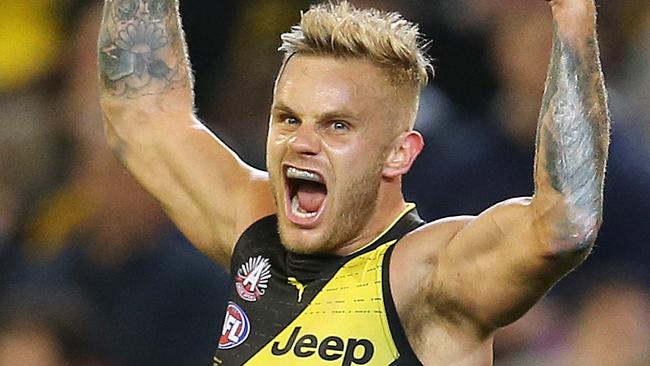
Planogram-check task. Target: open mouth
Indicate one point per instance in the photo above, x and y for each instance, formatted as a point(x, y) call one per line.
point(306, 196)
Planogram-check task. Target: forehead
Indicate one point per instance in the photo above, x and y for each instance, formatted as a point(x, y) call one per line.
point(331, 82)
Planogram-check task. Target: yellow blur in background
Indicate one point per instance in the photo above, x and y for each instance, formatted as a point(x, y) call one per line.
point(29, 40)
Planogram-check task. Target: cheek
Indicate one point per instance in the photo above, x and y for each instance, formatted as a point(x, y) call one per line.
point(346, 148)
point(354, 159)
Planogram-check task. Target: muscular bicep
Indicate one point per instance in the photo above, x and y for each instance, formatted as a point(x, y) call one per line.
point(499, 264)
point(203, 186)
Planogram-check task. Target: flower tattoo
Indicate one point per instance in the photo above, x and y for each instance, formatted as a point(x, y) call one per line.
point(137, 44)
point(132, 55)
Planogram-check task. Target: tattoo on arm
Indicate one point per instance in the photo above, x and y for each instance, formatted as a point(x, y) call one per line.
point(573, 133)
point(142, 49)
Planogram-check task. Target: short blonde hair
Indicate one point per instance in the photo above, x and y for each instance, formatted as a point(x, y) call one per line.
point(340, 29)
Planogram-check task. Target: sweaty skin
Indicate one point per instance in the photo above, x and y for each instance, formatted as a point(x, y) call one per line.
point(467, 276)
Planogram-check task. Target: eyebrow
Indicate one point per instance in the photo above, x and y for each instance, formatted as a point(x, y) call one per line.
point(343, 114)
point(283, 108)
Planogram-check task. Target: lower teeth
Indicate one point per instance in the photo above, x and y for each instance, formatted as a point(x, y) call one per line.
point(295, 207)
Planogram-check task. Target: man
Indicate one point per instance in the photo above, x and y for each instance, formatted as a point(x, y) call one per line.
point(330, 264)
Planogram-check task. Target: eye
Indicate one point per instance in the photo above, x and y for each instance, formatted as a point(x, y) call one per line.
point(291, 121)
point(340, 126)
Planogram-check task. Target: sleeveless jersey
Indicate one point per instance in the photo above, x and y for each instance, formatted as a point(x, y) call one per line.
point(296, 309)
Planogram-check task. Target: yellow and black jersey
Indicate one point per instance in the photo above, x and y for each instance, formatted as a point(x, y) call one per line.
point(296, 309)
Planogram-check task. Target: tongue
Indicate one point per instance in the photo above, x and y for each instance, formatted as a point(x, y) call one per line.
point(310, 197)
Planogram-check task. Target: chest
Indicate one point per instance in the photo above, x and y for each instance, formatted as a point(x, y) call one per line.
point(276, 316)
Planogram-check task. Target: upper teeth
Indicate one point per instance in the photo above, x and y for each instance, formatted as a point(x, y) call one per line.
point(303, 174)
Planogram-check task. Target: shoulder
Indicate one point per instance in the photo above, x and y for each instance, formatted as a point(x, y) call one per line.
point(414, 263)
point(426, 240)
point(418, 252)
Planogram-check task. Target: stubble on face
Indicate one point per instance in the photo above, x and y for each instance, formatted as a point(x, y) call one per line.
point(353, 204)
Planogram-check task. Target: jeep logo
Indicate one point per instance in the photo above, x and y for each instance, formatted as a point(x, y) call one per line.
point(355, 352)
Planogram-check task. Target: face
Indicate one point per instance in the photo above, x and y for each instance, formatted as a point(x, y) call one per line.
point(327, 144)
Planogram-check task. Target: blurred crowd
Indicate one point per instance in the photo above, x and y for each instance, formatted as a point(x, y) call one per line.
point(93, 273)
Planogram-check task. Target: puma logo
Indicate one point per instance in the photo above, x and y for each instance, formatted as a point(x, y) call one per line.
point(299, 286)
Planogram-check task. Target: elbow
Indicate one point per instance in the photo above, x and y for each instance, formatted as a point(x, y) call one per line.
point(574, 238)
point(567, 228)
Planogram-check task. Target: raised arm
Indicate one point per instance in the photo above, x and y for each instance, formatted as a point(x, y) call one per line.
point(501, 262)
point(147, 101)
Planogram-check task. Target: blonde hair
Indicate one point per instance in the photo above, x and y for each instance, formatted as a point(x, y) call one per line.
point(342, 30)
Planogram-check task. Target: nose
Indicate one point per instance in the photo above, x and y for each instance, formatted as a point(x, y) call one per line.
point(305, 140)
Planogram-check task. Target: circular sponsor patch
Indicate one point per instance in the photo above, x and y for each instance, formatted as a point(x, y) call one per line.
point(252, 278)
point(236, 327)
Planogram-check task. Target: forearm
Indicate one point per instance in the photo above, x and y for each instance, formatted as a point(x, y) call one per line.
point(573, 130)
point(146, 96)
point(146, 84)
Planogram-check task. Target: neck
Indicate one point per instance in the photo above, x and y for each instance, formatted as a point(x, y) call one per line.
point(390, 205)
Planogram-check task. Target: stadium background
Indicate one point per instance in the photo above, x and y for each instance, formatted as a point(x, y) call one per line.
point(92, 273)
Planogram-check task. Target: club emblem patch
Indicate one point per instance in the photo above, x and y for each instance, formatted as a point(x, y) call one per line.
point(252, 278)
point(236, 327)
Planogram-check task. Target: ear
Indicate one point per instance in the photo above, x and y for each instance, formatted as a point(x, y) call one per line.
point(405, 149)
